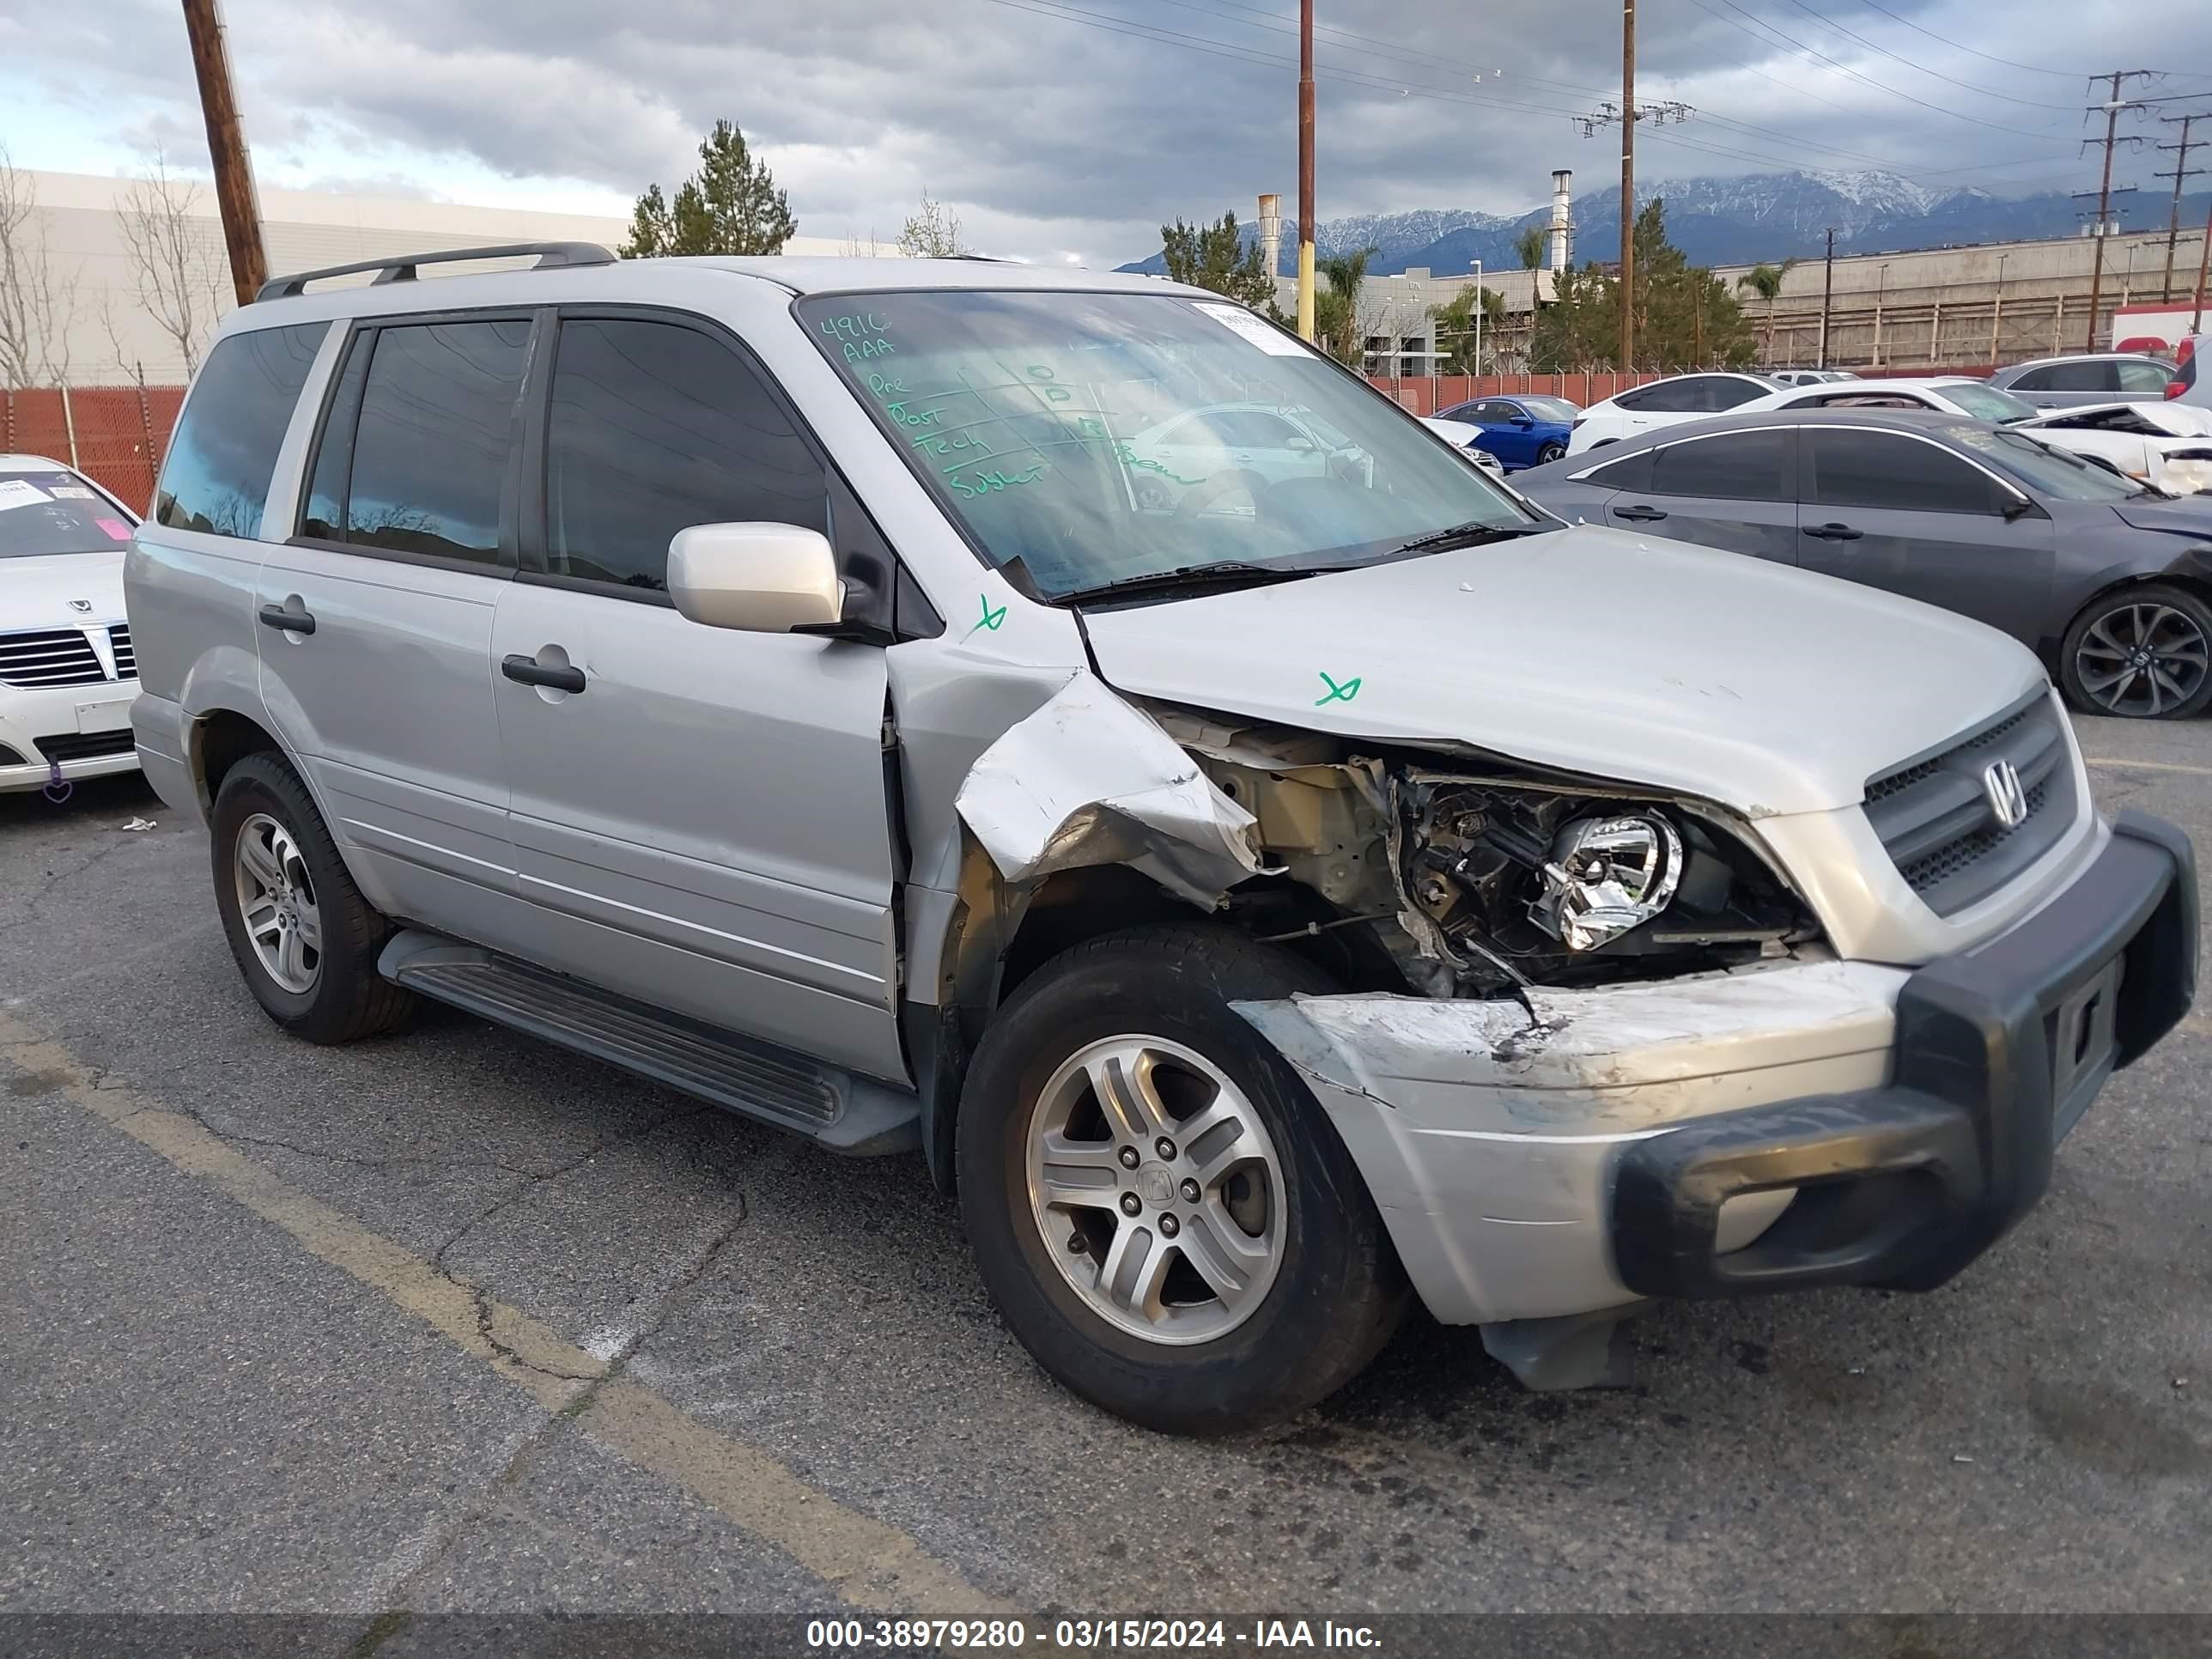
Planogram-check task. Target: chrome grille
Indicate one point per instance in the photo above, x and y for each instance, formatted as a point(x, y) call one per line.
point(126, 660)
point(1937, 820)
point(61, 656)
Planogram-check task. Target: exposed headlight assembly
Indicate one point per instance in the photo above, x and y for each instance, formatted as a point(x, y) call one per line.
point(1606, 876)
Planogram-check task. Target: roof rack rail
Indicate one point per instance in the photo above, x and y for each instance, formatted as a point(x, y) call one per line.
point(402, 267)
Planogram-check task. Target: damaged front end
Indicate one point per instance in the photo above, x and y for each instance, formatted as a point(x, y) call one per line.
point(1480, 883)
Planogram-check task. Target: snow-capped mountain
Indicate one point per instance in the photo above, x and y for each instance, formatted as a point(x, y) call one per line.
point(1728, 221)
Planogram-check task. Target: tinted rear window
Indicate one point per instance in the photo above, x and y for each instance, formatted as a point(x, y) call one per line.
point(224, 453)
point(434, 438)
point(57, 512)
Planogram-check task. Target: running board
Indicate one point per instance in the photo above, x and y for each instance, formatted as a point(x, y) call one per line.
point(845, 1112)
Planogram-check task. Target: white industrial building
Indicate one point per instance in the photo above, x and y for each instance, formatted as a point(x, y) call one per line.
point(108, 326)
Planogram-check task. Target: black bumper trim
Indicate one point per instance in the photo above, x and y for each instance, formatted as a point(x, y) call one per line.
point(1903, 1185)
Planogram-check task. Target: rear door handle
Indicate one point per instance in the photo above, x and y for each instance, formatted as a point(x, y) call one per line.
point(529, 672)
point(1638, 514)
point(292, 622)
point(1834, 532)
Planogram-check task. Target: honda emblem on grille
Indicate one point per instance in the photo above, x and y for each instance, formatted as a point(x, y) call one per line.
point(2001, 783)
point(80, 605)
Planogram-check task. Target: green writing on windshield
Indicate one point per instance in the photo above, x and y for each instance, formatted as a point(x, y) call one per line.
point(906, 416)
point(1130, 458)
point(985, 483)
point(929, 444)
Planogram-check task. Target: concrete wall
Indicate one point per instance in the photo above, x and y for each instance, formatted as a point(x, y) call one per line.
point(111, 336)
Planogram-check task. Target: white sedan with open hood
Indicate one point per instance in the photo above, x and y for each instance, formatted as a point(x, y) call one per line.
point(2167, 445)
point(66, 672)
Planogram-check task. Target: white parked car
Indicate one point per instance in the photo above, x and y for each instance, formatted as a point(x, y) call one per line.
point(67, 675)
point(1808, 376)
point(1948, 394)
point(1221, 458)
point(1465, 438)
point(1663, 402)
point(2167, 445)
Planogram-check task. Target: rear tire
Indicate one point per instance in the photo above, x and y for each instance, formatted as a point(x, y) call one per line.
point(1167, 1318)
point(303, 935)
point(2142, 653)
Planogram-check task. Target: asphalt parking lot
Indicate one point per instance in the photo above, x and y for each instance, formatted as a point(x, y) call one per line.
point(453, 1320)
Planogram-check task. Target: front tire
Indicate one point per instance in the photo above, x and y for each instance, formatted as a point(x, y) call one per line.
point(1551, 453)
point(303, 935)
point(1160, 1208)
point(2140, 653)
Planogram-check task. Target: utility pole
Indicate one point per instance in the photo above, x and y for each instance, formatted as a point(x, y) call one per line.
point(1305, 171)
point(1628, 186)
point(2203, 263)
point(1828, 294)
point(2181, 170)
point(234, 195)
point(2111, 108)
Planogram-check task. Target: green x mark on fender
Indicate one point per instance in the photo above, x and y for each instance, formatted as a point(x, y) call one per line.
point(1344, 693)
point(991, 618)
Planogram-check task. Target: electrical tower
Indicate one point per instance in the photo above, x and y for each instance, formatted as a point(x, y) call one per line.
point(2182, 171)
point(2111, 108)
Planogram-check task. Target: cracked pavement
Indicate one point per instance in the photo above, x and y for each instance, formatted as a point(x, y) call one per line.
point(205, 1415)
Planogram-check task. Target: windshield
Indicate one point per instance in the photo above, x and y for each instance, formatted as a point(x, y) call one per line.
point(1082, 439)
point(57, 513)
point(2046, 470)
point(1550, 409)
point(1987, 403)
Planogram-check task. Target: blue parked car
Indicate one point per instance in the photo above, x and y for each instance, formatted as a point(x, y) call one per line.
point(1521, 431)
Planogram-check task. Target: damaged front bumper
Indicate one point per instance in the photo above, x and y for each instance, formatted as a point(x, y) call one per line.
point(1790, 1125)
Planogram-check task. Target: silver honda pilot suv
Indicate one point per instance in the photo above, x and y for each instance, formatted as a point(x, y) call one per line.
point(1061, 724)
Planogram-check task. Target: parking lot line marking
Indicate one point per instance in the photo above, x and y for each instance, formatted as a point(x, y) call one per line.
point(870, 1563)
point(2147, 766)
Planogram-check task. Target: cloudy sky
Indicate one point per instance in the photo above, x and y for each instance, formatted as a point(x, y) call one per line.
point(1066, 130)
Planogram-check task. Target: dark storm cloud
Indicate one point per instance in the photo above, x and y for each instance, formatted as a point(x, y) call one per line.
point(1049, 133)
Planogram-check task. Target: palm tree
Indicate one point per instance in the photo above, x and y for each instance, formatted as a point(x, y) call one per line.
point(1765, 281)
point(1529, 244)
point(1336, 309)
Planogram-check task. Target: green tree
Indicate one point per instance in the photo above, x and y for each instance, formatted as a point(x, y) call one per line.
point(1685, 318)
point(1529, 244)
point(1765, 281)
point(933, 232)
point(1336, 306)
point(731, 205)
point(1214, 256)
point(1456, 334)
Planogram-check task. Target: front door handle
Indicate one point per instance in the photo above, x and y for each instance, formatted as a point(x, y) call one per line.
point(292, 622)
point(530, 672)
point(1834, 532)
point(1638, 514)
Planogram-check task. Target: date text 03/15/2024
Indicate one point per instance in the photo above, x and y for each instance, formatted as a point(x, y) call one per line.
point(1088, 1635)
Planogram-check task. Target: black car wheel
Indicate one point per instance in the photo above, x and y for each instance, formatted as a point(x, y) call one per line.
point(2141, 654)
point(1550, 453)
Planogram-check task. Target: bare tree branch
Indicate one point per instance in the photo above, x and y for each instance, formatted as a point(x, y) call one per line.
point(175, 257)
point(37, 303)
point(933, 232)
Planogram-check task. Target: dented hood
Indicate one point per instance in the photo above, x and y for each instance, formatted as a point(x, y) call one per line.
point(1764, 688)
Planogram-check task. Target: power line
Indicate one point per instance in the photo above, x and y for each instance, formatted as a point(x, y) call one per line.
point(1972, 52)
point(2182, 171)
point(2030, 103)
point(1789, 41)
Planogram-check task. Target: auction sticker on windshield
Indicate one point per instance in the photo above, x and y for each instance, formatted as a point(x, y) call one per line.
point(1237, 320)
point(14, 492)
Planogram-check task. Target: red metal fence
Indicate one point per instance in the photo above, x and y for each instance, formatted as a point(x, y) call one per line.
point(116, 435)
point(1426, 395)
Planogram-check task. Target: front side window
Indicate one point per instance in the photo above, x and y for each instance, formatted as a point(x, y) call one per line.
point(56, 510)
point(1068, 435)
point(1725, 392)
point(434, 439)
point(1749, 466)
point(223, 453)
point(1853, 468)
point(655, 427)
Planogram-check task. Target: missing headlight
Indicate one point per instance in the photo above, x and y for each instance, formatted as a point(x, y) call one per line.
point(1508, 882)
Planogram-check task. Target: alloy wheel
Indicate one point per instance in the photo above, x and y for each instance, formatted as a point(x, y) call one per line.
point(276, 899)
point(1156, 1189)
point(2140, 660)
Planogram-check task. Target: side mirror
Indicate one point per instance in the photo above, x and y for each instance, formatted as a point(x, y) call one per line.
point(1299, 446)
point(1524, 421)
point(759, 578)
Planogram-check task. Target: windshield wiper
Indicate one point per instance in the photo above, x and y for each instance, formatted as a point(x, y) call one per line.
point(1474, 533)
point(1222, 572)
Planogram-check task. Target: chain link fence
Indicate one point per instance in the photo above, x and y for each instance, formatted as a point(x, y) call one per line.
point(114, 434)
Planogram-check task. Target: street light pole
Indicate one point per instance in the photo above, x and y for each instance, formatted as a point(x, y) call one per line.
point(1306, 171)
point(1628, 186)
